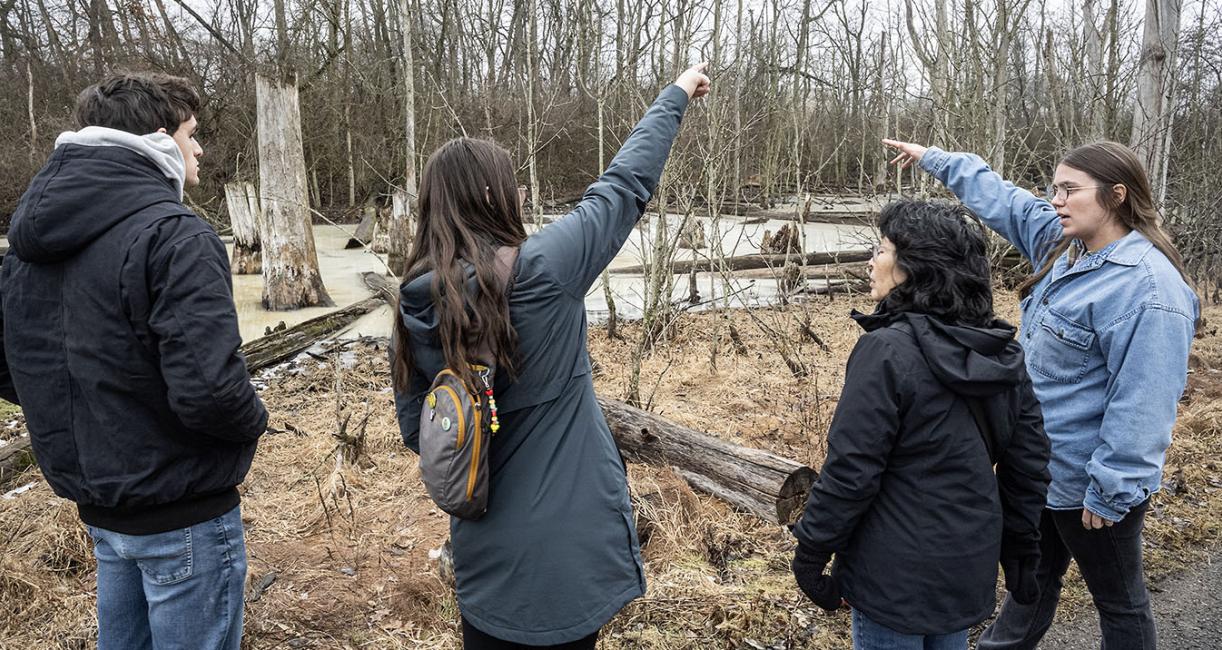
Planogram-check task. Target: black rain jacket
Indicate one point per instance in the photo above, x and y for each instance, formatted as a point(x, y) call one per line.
point(119, 339)
point(907, 499)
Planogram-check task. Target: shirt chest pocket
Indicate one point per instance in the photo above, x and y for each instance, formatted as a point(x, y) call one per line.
point(1060, 349)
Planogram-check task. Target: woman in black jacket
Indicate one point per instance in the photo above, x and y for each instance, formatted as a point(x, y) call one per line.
point(935, 395)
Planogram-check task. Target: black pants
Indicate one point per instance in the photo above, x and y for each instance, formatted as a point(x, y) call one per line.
point(1110, 562)
point(473, 639)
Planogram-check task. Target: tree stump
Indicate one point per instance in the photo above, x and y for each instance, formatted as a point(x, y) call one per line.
point(399, 231)
point(290, 264)
point(365, 231)
point(692, 237)
point(786, 240)
point(244, 218)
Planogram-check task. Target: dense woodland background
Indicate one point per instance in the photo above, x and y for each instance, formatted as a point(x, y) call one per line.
point(803, 89)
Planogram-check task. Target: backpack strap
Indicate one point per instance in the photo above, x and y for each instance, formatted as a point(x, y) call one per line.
point(976, 406)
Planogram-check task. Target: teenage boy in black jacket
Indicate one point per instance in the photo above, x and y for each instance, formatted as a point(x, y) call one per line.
point(119, 339)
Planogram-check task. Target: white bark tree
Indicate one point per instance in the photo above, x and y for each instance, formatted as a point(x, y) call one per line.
point(290, 264)
point(1152, 114)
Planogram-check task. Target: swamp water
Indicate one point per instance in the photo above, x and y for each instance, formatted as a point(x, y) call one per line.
point(342, 268)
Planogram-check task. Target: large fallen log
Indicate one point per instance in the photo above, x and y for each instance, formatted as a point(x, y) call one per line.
point(815, 215)
point(752, 261)
point(285, 344)
point(764, 484)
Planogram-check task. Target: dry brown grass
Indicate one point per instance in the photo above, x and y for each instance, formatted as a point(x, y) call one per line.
point(348, 539)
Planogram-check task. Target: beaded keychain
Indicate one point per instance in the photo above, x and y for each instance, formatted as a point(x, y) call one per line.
point(496, 422)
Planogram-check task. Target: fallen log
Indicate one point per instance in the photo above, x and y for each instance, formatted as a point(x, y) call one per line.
point(752, 261)
point(283, 345)
point(815, 215)
point(826, 272)
point(15, 458)
point(763, 484)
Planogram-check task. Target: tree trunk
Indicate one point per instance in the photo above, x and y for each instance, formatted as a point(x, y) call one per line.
point(244, 217)
point(763, 484)
point(290, 264)
point(400, 228)
point(1092, 38)
point(1155, 79)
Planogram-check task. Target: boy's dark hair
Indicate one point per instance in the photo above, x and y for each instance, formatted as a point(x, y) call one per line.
point(941, 248)
point(138, 103)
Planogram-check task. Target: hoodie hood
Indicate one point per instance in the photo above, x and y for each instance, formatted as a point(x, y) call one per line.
point(158, 148)
point(95, 178)
point(970, 361)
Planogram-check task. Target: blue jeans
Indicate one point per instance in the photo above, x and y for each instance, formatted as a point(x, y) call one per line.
point(868, 635)
point(178, 589)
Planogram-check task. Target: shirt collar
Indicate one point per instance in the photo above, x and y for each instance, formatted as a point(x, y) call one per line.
point(1127, 251)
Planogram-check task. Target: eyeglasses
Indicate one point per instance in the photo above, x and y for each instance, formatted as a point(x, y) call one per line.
point(1062, 192)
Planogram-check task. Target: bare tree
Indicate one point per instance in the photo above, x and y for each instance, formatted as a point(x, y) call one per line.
point(1156, 76)
point(290, 264)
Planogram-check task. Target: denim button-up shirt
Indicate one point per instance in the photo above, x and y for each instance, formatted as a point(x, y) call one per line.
point(1107, 342)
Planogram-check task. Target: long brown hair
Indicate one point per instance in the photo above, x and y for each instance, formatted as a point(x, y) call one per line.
point(468, 209)
point(1111, 164)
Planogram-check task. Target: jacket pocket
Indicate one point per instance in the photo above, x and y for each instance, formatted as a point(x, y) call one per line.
point(1061, 349)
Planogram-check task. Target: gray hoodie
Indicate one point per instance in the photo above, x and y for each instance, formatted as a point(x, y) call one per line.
point(556, 556)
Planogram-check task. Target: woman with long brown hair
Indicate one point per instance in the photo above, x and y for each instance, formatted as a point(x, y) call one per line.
point(555, 555)
point(1107, 322)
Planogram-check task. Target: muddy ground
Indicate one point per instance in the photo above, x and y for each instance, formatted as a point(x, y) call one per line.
point(341, 536)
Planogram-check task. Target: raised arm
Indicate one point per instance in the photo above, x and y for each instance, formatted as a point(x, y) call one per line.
point(579, 246)
point(1026, 221)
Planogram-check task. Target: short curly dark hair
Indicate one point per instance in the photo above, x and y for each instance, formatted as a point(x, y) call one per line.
point(942, 250)
point(138, 103)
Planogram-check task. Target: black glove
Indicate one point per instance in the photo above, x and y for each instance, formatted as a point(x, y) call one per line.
point(1020, 578)
point(820, 588)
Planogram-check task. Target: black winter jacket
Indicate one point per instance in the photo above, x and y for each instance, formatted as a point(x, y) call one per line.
point(119, 339)
point(907, 500)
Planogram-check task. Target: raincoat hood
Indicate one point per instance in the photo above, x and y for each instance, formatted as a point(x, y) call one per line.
point(970, 361)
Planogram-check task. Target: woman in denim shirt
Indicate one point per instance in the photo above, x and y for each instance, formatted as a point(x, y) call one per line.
point(1107, 322)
